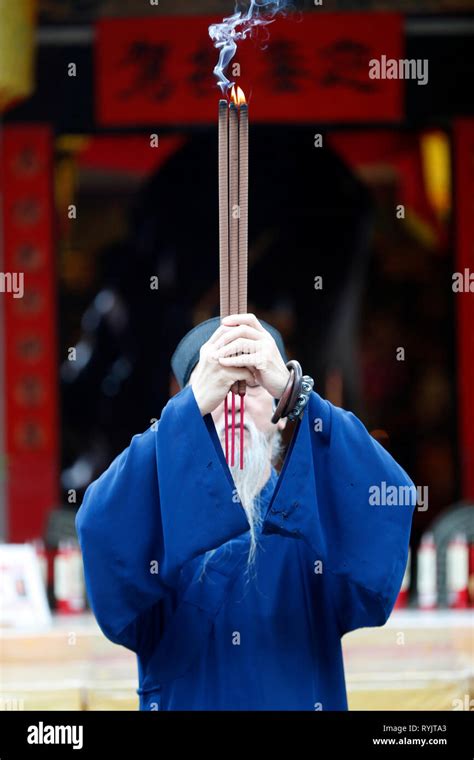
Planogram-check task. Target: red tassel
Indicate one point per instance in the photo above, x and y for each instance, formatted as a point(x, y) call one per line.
point(233, 430)
point(242, 432)
point(226, 411)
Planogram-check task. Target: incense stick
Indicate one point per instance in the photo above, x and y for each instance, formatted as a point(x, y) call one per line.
point(223, 158)
point(234, 208)
point(233, 236)
point(243, 243)
point(243, 206)
point(223, 161)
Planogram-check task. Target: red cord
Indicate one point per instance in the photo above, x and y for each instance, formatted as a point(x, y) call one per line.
point(233, 430)
point(226, 411)
point(242, 432)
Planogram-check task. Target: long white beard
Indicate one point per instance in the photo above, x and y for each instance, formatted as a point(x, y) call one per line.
point(260, 451)
point(249, 480)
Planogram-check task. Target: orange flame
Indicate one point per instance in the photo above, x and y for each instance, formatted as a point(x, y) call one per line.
point(237, 96)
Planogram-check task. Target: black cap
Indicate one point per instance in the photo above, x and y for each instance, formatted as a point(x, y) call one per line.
point(186, 355)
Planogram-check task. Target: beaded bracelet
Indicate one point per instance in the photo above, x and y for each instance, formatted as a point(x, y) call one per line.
point(287, 393)
point(296, 387)
point(295, 395)
point(307, 384)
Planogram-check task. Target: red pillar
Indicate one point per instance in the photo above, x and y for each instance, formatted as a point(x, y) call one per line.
point(464, 205)
point(30, 342)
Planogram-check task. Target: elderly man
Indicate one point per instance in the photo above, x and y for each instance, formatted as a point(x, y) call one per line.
point(234, 586)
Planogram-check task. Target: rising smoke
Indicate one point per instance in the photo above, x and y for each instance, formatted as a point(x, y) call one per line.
point(237, 27)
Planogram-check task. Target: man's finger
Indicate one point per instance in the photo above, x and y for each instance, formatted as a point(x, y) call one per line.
point(241, 331)
point(221, 330)
point(236, 346)
point(256, 360)
point(240, 373)
point(244, 319)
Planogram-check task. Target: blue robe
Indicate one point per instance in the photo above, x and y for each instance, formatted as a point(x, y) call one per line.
point(328, 561)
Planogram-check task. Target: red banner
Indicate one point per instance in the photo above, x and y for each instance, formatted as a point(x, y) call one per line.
point(464, 295)
point(28, 295)
point(315, 69)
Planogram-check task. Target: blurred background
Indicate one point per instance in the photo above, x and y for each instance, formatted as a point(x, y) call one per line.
point(361, 228)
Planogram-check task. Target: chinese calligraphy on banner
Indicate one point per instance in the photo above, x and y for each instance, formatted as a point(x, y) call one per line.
point(31, 403)
point(311, 69)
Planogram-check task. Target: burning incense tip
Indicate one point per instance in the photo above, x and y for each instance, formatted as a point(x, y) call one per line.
point(237, 95)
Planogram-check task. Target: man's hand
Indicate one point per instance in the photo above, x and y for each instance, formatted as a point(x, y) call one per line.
point(210, 381)
point(243, 332)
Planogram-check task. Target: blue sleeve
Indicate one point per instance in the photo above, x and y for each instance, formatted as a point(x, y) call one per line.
point(163, 501)
point(334, 465)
